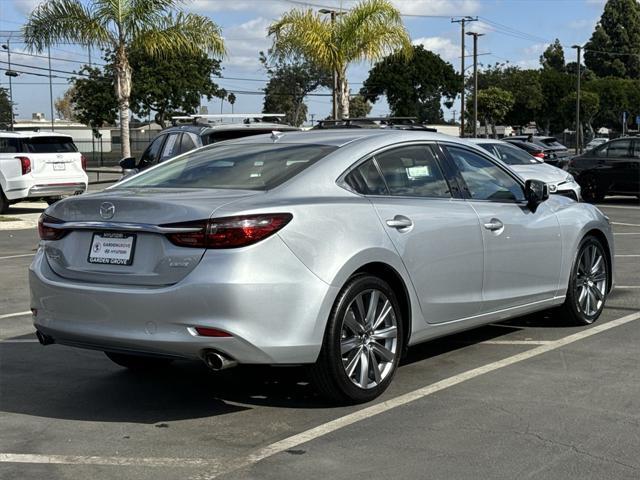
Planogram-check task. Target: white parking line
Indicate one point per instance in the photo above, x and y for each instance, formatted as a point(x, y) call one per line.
point(18, 314)
point(222, 467)
point(20, 340)
point(626, 287)
point(625, 224)
point(516, 342)
point(627, 233)
point(618, 206)
point(623, 256)
point(17, 256)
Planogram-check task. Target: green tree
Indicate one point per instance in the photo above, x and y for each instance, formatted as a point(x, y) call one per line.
point(359, 106)
point(614, 47)
point(92, 97)
point(553, 57)
point(524, 85)
point(369, 31)
point(171, 84)
point(555, 86)
point(152, 26)
point(65, 108)
point(493, 105)
point(616, 95)
point(414, 87)
point(5, 107)
point(231, 98)
point(290, 81)
point(589, 106)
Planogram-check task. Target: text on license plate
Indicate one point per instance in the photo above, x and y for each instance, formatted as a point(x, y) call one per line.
point(59, 166)
point(112, 248)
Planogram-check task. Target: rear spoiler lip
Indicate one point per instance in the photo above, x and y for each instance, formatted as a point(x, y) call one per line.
point(121, 227)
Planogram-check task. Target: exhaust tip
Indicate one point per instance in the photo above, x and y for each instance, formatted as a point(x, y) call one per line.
point(44, 339)
point(216, 361)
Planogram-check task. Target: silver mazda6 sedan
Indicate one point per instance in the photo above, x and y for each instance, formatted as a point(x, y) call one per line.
point(337, 249)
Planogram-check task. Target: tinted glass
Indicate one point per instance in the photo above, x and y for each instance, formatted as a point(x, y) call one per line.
point(246, 167)
point(549, 142)
point(222, 135)
point(9, 145)
point(412, 171)
point(636, 149)
point(367, 180)
point(49, 145)
point(187, 143)
point(513, 155)
point(171, 146)
point(618, 149)
point(151, 154)
point(484, 180)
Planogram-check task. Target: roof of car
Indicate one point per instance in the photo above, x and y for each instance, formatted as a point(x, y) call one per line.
point(200, 128)
point(338, 138)
point(485, 140)
point(31, 134)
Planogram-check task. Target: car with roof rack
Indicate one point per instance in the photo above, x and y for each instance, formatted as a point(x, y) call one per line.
point(400, 123)
point(189, 132)
point(39, 165)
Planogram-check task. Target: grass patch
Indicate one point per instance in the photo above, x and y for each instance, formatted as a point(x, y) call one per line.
point(4, 218)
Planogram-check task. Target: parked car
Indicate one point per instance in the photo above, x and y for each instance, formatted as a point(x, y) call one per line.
point(554, 152)
point(179, 139)
point(610, 169)
point(596, 142)
point(333, 248)
point(529, 167)
point(39, 165)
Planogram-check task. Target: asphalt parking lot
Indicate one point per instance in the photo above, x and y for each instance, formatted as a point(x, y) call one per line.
point(530, 398)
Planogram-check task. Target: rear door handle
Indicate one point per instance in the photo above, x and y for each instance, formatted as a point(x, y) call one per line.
point(494, 225)
point(400, 222)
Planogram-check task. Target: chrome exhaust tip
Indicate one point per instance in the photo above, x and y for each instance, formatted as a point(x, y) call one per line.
point(44, 339)
point(216, 361)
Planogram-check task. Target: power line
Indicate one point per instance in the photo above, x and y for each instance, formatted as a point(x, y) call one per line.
point(47, 69)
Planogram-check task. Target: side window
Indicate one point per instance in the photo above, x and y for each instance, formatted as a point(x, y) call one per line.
point(366, 180)
point(619, 149)
point(636, 149)
point(187, 143)
point(171, 147)
point(484, 180)
point(152, 153)
point(413, 171)
point(9, 145)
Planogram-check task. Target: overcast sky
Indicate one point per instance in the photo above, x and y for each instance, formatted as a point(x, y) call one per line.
point(515, 30)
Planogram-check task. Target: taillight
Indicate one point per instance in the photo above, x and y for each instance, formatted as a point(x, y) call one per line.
point(539, 155)
point(83, 162)
point(49, 231)
point(230, 232)
point(211, 332)
point(25, 164)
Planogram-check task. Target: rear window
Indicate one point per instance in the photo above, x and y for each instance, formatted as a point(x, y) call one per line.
point(550, 142)
point(238, 166)
point(49, 145)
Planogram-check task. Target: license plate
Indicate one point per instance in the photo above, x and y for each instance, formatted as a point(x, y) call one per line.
point(59, 166)
point(112, 248)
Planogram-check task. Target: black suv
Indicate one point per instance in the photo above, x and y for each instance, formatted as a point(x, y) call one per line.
point(613, 168)
point(554, 152)
point(179, 139)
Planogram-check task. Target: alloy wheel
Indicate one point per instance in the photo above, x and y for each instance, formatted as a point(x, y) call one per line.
point(369, 339)
point(591, 280)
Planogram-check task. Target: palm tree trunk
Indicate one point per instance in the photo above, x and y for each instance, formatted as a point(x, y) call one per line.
point(343, 94)
point(123, 94)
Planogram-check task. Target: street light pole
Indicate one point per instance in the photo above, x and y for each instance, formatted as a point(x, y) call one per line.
point(462, 23)
point(51, 91)
point(334, 96)
point(475, 36)
point(10, 73)
point(578, 129)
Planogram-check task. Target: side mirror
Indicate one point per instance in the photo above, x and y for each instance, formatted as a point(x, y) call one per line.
point(536, 192)
point(128, 163)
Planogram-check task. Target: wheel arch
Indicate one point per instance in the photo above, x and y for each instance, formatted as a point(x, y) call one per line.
point(600, 235)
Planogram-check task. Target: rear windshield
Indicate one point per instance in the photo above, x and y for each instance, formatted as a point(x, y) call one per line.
point(238, 166)
point(49, 145)
point(549, 142)
point(509, 154)
point(222, 135)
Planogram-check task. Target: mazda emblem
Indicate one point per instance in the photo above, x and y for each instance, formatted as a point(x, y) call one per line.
point(107, 210)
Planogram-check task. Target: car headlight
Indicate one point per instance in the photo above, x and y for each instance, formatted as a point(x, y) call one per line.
point(569, 178)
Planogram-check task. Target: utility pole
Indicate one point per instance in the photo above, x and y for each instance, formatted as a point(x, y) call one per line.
point(475, 36)
point(333, 13)
point(10, 73)
point(462, 21)
point(578, 130)
point(51, 90)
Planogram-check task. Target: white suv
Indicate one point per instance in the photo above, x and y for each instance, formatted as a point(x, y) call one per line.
point(39, 165)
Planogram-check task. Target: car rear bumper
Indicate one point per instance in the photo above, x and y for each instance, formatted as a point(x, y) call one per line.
point(25, 187)
point(275, 311)
point(57, 189)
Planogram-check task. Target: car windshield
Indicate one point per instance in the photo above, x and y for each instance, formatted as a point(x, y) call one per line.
point(49, 145)
point(237, 166)
point(509, 154)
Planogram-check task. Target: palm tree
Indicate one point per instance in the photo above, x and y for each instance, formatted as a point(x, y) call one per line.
point(155, 26)
point(368, 32)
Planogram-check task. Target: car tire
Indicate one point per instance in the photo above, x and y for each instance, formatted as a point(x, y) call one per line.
point(138, 362)
point(52, 200)
point(588, 283)
point(362, 344)
point(591, 191)
point(4, 202)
